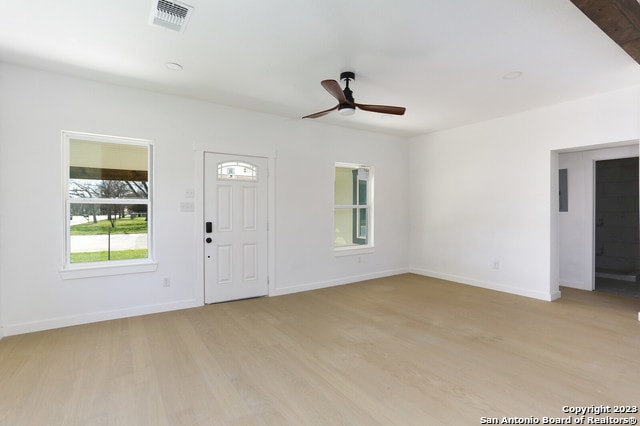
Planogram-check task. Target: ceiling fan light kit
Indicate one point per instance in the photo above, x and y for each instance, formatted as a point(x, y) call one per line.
point(346, 103)
point(346, 109)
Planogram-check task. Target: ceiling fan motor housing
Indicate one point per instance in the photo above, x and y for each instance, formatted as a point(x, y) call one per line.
point(346, 109)
point(348, 94)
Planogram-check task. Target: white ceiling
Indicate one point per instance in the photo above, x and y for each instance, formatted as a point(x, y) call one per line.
point(444, 60)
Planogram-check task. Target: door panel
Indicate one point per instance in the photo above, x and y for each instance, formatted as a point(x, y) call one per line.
point(250, 262)
point(225, 208)
point(225, 264)
point(236, 203)
point(249, 209)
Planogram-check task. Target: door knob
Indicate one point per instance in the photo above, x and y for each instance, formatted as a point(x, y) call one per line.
point(208, 240)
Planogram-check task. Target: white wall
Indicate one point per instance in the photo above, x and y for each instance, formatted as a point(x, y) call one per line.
point(576, 226)
point(487, 192)
point(473, 195)
point(35, 106)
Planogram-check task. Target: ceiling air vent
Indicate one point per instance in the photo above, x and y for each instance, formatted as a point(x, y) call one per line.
point(170, 14)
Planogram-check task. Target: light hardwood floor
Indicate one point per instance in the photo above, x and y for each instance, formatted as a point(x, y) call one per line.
point(401, 350)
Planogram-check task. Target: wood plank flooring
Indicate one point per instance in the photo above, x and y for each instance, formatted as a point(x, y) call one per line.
point(401, 350)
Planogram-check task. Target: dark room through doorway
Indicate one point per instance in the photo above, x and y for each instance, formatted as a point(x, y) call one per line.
point(617, 250)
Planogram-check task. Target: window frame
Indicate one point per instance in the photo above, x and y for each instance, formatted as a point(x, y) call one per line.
point(366, 244)
point(112, 267)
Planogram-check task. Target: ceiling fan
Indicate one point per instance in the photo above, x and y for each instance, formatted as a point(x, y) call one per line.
point(346, 104)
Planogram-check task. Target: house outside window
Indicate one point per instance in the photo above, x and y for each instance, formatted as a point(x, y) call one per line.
point(353, 207)
point(108, 211)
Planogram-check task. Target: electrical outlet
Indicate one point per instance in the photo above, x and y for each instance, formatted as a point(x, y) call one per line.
point(189, 193)
point(166, 282)
point(496, 264)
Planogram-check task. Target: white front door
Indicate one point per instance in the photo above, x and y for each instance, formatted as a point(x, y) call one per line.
point(235, 228)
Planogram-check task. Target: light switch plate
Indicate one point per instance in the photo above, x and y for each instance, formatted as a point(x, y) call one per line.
point(187, 206)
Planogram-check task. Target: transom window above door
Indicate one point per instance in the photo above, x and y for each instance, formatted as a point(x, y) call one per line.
point(236, 170)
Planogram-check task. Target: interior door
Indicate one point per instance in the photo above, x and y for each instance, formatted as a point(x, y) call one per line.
point(235, 228)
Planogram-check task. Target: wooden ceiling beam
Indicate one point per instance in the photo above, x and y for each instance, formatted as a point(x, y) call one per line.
point(619, 19)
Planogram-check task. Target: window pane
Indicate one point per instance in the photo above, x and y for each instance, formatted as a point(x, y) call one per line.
point(102, 232)
point(107, 170)
point(362, 223)
point(344, 186)
point(351, 227)
point(362, 192)
point(343, 222)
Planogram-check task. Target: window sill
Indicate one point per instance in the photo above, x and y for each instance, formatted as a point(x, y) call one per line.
point(94, 270)
point(352, 250)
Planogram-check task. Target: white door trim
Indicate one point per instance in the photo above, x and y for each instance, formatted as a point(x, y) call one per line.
point(590, 154)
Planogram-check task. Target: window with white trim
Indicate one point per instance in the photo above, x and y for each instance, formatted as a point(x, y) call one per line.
point(353, 207)
point(107, 200)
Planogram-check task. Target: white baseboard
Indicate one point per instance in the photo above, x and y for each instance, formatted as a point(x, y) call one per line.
point(488, 285)
point(574, 284)
point(340, 281)
point(32, 326)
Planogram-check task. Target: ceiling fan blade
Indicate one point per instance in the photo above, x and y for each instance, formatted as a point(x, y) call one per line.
point(383, 109)
point(321, 113)
point(334, 88)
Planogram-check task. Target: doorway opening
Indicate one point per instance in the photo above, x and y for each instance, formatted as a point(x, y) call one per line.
point(617, 246)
